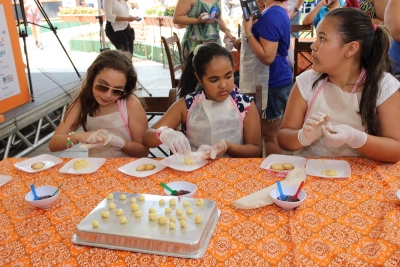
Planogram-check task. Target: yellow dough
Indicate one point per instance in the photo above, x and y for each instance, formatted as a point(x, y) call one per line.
point(141, 198)
point(288, 166)
point(123, 220)
point(199, 202)
point(189, 211)
point(150, 167)
point(171, 225)
point(95, 223)
point(182, 217)
point(152, 210)
point(185, 203)
point(119, 212)
point(111, 206)
point(110, 196)
point(133, 200)
point(138, 214)
point(145, 167)
point(162, 220)
point(80, 164)
point(330, 172)
point(198, 219)
point(122, 197)
point(179, 212)
point(161, 202)
point(105, 214)
point(153, 216)
point(182, 223)
point(172, 202)
point(277, 167)
point(168, 210)
point(172, 219)
point(134, 207)
point(37, 165)
point(188, 161)
point(141, 168)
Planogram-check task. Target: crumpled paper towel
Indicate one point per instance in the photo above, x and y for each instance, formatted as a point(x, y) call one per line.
point(262, 197)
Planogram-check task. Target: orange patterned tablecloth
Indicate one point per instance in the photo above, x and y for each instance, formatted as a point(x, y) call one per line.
point(343, 222)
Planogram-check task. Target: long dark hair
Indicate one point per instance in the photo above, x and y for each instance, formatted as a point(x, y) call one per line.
point(110, 59)
point(197, 61)
point(355, 25)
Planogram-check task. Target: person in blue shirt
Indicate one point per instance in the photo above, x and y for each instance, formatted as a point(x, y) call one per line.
point(320, 10)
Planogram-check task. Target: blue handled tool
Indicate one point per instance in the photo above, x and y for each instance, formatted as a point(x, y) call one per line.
point(281, 195)
point(35, 196)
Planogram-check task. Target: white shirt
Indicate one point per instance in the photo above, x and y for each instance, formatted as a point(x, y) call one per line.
point(114, 8)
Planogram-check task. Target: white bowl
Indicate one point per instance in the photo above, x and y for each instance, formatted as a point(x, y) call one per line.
point(42, 191)
point(288, 191)
point(192, 188)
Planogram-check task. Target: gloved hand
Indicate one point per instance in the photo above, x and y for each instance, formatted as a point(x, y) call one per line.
point(176, 141)
point(114, 141)
point(100, 136)
point(218, 149)
point(203, 152)
point(312, 130)
point(338, 135)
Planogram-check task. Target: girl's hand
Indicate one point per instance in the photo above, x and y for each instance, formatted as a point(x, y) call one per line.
point(99, 136)
point(237, 44)
point(205, 18)
point(312, 129)
point(247, 25)
point(228, 35)
point(327, 2)
point(338, 135)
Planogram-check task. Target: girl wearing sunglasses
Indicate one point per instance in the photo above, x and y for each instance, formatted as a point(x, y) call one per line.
point(112, 118)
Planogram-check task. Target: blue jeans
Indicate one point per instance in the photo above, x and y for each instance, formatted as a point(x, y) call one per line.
point(277, 99)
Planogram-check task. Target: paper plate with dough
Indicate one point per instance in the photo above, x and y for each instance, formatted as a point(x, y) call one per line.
point(180, 163)
point(328, 168)
point(142, 167)
point(280, 163)
point(4, 179)
point(82, 165)
point(38, 163)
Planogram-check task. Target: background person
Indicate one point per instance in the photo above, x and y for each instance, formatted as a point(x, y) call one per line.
point(320, 10)
point(32, 14)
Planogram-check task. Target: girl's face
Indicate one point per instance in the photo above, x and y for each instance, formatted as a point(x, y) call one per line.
point(261, 5)
point(114, 80)
point(218, 79)
point(327, 51)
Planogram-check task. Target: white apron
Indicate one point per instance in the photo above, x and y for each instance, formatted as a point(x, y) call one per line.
point(342, 108)
point(113, 124)
point(209, 121)
point(252, 72)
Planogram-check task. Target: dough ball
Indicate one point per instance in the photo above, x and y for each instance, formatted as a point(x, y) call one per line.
point(179, 212)
point(182, 217)
point(172, 219)
point(153, 216)
point(150, 167)
point(141, 198)
point(162, 220)
point(277, 167)
point(182, 223)
point(111, 206)
point(198, 219)
point(133, 200)
point(167, 210)
point(189, 211)
point(122, 197)
point(152, 210)
point(185, 203)
point(134, 207)
point(80, 164)
point(172, 202)
point(123, 220)
point(95, 223)
point(288, 166)
point(188, 161)
point(37, 165)
point(105, 214)
point(138, 214)
point(141, 168)
point(119, 212)
point(161, 202)
point(110, 196)
point(171, 225)
point(199, 202)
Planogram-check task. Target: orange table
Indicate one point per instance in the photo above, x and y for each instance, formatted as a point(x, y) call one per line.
point(343, 222)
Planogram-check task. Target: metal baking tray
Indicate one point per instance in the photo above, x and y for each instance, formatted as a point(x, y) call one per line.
point(145, 236)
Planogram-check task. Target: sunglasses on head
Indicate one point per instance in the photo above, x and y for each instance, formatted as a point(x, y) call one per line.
point(104, 88)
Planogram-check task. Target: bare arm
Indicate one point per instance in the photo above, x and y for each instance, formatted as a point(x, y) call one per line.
point(309, 18)
point(182, 9)
point(392, 18)
point(251, 147)
point(111, 17)
point(298, 5)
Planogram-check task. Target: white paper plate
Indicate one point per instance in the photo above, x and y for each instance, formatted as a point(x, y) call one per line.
point(297, 162)
point(315, 167)
point(398, 194)
point(48, 160)
point(4, 179)
point(94, 165)
point(130, 168)
point(176, 162)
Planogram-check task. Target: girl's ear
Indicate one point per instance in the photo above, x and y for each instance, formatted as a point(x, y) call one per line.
point(352, 49)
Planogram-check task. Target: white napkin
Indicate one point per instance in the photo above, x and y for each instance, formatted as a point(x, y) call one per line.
point(262, 198)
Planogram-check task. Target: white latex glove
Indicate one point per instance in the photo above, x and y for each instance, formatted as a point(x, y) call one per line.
point(176, 141)
point(100, 136)
point(312, 130)
point(218, 149)
point(114, 141)
point(203, 152)
point(338, 135)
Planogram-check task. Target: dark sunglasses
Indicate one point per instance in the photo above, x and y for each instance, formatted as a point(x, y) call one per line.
point(104, 88)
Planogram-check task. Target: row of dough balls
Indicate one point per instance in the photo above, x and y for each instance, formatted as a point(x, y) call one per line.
point(172, 201)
